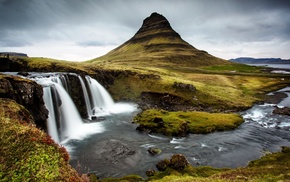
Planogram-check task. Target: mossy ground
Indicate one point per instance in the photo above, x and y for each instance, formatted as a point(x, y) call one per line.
point(193, 122)
point(27, 153)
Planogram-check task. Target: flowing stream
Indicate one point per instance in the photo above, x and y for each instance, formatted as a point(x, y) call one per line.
point(110, 146)
point(120, 150)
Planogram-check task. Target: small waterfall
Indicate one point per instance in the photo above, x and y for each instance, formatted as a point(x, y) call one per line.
point(71, 118)
point(87, 99)
point(51, 121)
point(101, 99)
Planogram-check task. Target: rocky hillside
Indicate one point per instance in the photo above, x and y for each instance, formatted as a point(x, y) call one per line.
point(157, 44)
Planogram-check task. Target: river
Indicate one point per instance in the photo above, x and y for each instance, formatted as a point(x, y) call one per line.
point(114, 148)
point(120, 150)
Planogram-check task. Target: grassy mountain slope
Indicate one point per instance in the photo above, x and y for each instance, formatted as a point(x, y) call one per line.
point(156, 44)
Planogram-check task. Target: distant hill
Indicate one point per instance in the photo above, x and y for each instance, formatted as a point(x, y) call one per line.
point(157, 44)
point(248, 60)
point(8, 54)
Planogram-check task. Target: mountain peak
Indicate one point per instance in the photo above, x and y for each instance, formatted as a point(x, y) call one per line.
point(155, 24)
point(154, 21)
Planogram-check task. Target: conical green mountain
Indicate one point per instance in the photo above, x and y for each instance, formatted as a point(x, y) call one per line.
point(157, 44)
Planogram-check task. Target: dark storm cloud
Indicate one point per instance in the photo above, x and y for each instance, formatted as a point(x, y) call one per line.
point(89, 23)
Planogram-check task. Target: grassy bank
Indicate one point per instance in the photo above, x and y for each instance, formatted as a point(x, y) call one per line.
point(27, 153)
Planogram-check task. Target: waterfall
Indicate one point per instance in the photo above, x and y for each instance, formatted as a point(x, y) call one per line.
point(51, 121)
point(101, 99)
point(87, 99)
point(70, 116)
point(64, 121)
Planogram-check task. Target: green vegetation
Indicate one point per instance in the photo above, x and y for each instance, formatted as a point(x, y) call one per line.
point(234, 68)
point(179, 123)
point(213, 91)
point(27, 153)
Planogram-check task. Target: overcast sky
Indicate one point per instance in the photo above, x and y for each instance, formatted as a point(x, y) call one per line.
point(80, 30)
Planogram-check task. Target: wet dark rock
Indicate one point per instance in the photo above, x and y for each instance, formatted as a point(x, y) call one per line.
point(23, 73)
point(282, 111)
point(154, 151)
point(165, 101)
point(150, 172)
point(275, 98)
point(143, 128)
point(184, 86)
point(162, 165)
point(27, 93)
point(76, 93)
point(178, 162)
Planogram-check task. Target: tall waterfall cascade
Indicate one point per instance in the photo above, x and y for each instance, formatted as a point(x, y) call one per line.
point(64, 121)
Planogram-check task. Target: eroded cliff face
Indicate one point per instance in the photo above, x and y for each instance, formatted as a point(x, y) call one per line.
point(27, 93)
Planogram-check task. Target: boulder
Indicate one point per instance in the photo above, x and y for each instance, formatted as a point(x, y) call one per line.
point(162, 165)
point(184, 86)
point(282, 111)
point(178, 162)
point(150, 172)
point(154, 151)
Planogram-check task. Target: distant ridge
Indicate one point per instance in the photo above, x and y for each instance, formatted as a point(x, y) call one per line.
point(157, 44)
point(17, 54)
point(249, 60)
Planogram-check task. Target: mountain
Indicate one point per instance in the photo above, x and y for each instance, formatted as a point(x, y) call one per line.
point(157, 44)
point(248, 60)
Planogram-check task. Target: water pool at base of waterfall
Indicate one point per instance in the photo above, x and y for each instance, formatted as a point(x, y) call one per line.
point(121, 150)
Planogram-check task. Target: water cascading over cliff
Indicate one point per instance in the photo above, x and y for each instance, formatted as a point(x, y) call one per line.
point(64, 121)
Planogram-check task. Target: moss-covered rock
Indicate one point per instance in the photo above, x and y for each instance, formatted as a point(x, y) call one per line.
point(181, 123)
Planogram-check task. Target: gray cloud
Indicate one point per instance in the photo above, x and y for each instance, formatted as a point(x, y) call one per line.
point(89, 23)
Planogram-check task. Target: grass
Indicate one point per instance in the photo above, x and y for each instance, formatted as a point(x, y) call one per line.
point(27, 153)
point(215, 91)
point(179, 123)
point(234, 68)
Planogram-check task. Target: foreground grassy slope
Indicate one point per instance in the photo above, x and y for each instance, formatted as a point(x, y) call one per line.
point(27, 153)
